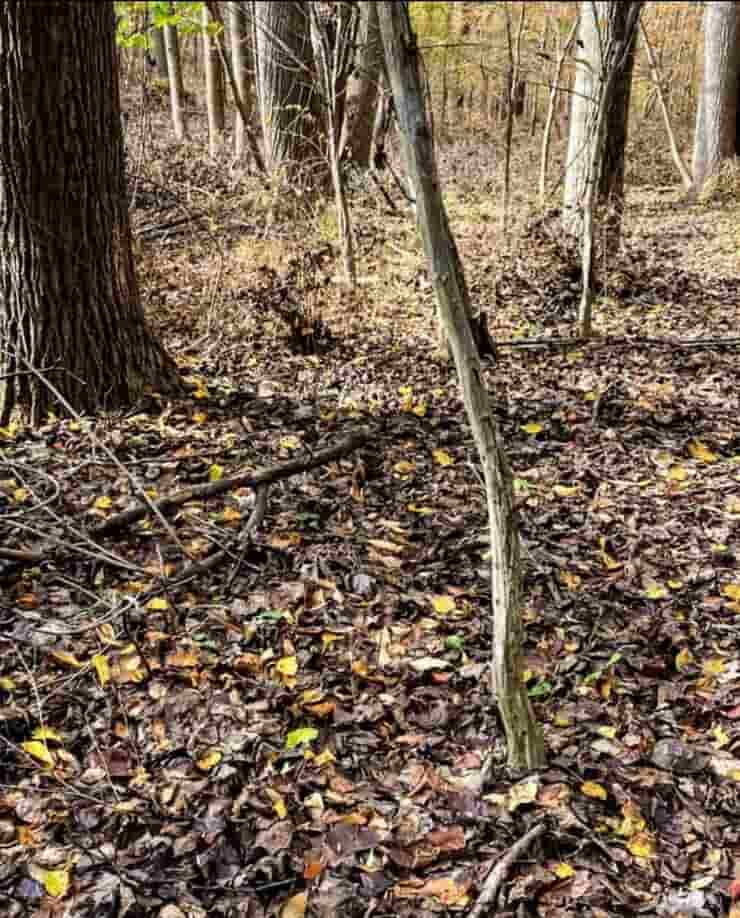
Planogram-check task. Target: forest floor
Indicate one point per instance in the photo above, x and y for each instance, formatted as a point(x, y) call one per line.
point(299, 729)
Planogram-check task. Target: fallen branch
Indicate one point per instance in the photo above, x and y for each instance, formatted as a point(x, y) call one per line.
point(497, 876)
point(258, 480)
point(576, 341)
point(246, 479)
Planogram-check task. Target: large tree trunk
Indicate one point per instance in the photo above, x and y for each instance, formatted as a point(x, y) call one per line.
point(291, 126)
point(524, 739)
point(69, 301)
point(717, 116)
point(603, 24)
point(362, 93)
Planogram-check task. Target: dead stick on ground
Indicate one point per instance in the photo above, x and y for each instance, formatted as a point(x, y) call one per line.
point(497, 876)
point(247, 479)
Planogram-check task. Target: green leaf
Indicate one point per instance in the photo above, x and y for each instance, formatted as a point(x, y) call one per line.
point(301, 737)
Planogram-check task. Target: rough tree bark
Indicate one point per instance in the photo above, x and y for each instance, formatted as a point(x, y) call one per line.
point(616, 45)
point(69, 300)
point(717, 115)
point(362, 92)
point(524, 740)
point(603, 24)
point(291, 123)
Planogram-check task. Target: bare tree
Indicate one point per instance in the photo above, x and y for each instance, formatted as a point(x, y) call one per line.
point(610, 26)
point(214, 84)
point(362, 92)
point(524, 739)
point(69, 300)
point(333, 34)
point(561, 52)
point(715, 136)
point(240, 62)
point(606, 28)
point(656, 77)
point(177, 89)
point(291, 122)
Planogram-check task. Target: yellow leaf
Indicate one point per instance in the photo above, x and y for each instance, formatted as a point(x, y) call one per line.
point(209, 760)
point(100, 662)
point(701, 453)
point(532, 428)
point(215, 473)
point(287, 666)
point(642, 845)
point(565, 491)
point(158, 604)
point(327, 638)
point(38, 751)
point(564, 871)
point(592, 789)
point(721, 738)
point(422, 511)
point(21, 495)
point(325, 757)
point(608, 732)
point(66, 659)
point(677, 473)
point(290, 442)
point(732, 591)
point(295, 907)
point(404, 468)
point(420, 409)
point(103, 503)
point(442, 457)
point(231, 515)
point(714, 667)
point(684, 659)
point(278, 803)
point(675, 584)
point(55, 882)
point(200, 417)
point(655, 591)
point(46, 733)
point(7, 684)
point(405, 391)
point(443, 605)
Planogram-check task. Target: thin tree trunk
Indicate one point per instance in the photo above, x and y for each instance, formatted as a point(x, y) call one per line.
point(552, 104)
point(656, 77)
point(159, 53)
point(214, 87)
point(240, 63)
point(362, 92)
point(70, 307)
point(615, 46)
point(524, 739)
point(177, 90)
